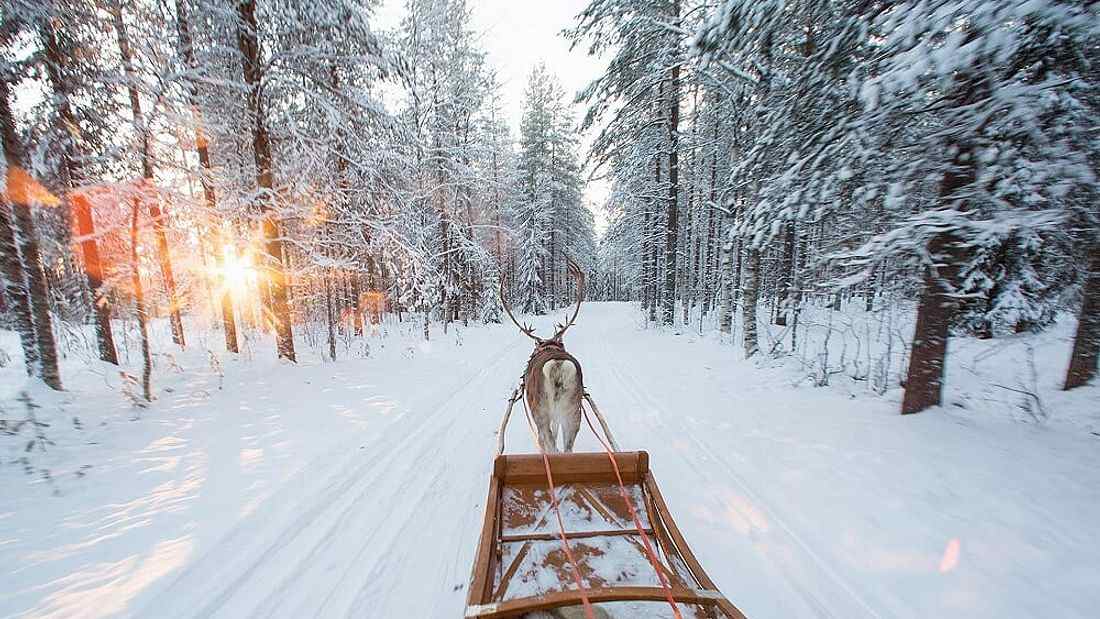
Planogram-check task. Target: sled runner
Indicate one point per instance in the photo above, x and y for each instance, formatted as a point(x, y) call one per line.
point(622, 553)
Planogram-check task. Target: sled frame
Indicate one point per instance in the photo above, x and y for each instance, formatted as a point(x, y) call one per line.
point(584, 471)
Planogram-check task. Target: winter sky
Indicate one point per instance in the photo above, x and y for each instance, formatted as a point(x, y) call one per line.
point(517, 34)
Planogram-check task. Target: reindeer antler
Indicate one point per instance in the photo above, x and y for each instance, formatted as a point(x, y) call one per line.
point(526, 329)
point(578, 275)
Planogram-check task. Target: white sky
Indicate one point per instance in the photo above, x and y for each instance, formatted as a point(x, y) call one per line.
point(517, 34)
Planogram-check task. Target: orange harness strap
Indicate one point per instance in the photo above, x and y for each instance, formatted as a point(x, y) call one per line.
point(637, 521)
point(588, 612)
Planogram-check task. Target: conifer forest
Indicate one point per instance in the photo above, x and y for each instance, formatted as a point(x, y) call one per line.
point(262, 264)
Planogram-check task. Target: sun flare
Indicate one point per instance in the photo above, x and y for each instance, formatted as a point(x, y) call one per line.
point(237, 274)
point(237, 271)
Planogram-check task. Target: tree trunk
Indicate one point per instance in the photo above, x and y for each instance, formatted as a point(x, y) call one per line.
point(692, 280)
point(672, 228)
point(786, 275)
point(936, 308)
point(330, 318)
point(73, 177)
point(726, 279)
point(147, 172)
point(93, 270)
point(645, 256)
point(229, 323)
point(653, 271)
point(1086, 343)
point(712, 199)
point(796, 284)
point(139, 303)
point(37, 294)
point(356, 306)
point(552, 263)
point(15, 289)
point(924, 382)
point(248, 44)
point(752, 293)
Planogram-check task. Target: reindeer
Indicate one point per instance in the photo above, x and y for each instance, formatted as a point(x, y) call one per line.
point(552, 382)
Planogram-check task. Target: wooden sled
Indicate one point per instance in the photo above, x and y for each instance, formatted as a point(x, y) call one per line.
point(521, 566)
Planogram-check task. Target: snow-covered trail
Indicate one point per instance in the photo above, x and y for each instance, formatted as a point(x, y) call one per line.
point(805, 502)
point(374, 528)
point(800, 502)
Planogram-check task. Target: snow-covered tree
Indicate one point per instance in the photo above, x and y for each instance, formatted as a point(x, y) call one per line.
point(551, 219)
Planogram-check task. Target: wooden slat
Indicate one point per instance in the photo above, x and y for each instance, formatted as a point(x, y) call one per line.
point(506, 577)
point(528, 469)
point(524, 537)
point(483, 563)
point(672, 554)
point(558, 599)
point(669, 525)
point(595, 503)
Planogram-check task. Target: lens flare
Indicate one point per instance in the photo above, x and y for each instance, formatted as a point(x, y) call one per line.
point(237, 271)
point(21, 188)
point(950, 556)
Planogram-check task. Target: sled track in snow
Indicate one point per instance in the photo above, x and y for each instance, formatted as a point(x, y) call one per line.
point(372, 490)
point(632, 389)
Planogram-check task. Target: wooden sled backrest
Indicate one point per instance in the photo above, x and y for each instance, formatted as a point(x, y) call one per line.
point(525, 469)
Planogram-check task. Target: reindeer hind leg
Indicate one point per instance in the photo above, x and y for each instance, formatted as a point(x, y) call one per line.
point(570, 425)
point(548, 438)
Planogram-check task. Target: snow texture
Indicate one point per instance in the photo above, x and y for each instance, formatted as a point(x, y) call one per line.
point(357, 488)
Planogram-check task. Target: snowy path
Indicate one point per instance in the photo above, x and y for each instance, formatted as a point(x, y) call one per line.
point(357, 489)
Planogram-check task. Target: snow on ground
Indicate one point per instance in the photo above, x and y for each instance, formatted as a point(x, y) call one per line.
point(356, 488)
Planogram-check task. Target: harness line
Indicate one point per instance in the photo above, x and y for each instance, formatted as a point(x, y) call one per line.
point(650, 554)
point(588, 612)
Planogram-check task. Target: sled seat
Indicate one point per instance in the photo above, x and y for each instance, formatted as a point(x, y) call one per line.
point(521, 566)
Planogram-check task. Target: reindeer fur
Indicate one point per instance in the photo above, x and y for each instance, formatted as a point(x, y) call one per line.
point(554, 385)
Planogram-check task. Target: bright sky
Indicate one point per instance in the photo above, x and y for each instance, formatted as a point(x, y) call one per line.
point(517, 34)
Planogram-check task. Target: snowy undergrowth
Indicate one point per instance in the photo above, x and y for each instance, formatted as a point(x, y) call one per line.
point(866, 354)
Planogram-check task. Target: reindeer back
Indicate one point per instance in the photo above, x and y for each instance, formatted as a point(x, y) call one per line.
point(532, 378)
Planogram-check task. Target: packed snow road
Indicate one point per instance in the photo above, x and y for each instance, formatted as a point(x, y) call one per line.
point(357, 489)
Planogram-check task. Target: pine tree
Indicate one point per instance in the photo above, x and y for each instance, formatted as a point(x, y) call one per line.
point(58, 73)
point(277, 285)
point(145, 138)
point(552, 219)
point(186, 51)
point(20, 197)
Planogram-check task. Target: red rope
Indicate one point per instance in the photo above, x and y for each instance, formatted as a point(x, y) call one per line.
point(637, 521)
point(588, 612)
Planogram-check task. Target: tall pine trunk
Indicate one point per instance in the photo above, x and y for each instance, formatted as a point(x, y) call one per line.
point(15, 288)
point(157, 215)
point(93, 270)
point(1086, 343)
point(73, 176)
point(752, 294)
point(229, 324)
point(709, 273)
point(727, 281)
point(672, 228)
point(44, 362)
point(654, 273)
point(139, 303)
point(279, 305)
point(800, 251)
point(937, 305)
point(330, 314)
point(645, 256)
point(786, 275)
